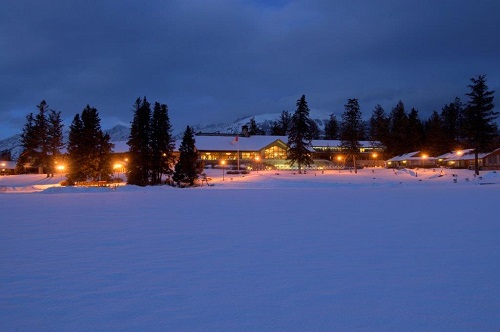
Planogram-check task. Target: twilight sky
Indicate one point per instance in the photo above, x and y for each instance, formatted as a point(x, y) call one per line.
point(218, 60)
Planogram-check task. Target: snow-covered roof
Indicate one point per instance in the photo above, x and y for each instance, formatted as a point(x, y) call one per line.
point(455, 154)
point(229, 143)
point(411, 156)
point(251, 143)
point(467, 154)
point(337, 143)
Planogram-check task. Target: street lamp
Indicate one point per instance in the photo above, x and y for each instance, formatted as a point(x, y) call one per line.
point(117, 168)
point(424, 157)
point(374, 155)
point(223, 162)
point(257, 159)
point(60, 168)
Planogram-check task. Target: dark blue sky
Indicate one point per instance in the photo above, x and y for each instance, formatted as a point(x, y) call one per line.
point(213, 61)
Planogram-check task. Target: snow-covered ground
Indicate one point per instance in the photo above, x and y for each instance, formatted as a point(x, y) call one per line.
point(270, 251)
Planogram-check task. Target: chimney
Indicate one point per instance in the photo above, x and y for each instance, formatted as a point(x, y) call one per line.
point(244, 131)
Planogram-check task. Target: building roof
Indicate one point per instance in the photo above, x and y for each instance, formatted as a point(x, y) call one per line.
point(337, 143)
point(229, 143)
point(467, 154)
point(251, 143)
point(411, 156)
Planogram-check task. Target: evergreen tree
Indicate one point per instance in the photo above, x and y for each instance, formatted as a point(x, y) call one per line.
point(55, 134)
point(42, 138)
point(452, 119)
point(398, 134)
point(253, 128)
point(29, 144)
point(89, 148)
point(435, 142)
point(187, 168)
point(315, 132)
point(300, 136)
point(76, 156)
point(479, 117)
point(282, 126)
point(162, 143)
point(41, 133)
point(139, 144)
point(351, 130)
point(332, 128)
point(415, 131)
point(379, 126)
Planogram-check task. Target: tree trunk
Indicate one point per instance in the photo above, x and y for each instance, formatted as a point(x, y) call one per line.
point(354, 162)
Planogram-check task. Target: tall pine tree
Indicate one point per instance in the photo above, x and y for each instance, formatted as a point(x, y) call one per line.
point(479, 117)
point(398, 134)
point(415, 131)
point(332, 128)
point(435, 142)
point(300, 136)
point(379, 126)
point(282, 126)
point(352, 130)
point(139, 144)
point(162, 143)
point(89, 148)
point(452, 120)
point(187, 168)
point(41, 139)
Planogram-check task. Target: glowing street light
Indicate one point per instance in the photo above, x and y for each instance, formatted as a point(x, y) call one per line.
point(257, 159)
point(223, 163)
point(374, 156)
point(60, 169)
point(117, 167)
point(424, 157)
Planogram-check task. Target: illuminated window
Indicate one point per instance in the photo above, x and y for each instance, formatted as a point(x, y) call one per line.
point(275, 152)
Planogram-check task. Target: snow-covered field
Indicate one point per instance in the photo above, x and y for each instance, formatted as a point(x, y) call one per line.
point(270, 251)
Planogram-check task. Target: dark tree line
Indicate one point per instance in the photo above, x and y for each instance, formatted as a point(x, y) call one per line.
point(458, 125)
point(151, 144)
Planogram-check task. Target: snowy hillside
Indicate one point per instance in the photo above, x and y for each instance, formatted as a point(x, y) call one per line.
point(264, 121)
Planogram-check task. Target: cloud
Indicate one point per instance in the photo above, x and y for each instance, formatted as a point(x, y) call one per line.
point(223, 59)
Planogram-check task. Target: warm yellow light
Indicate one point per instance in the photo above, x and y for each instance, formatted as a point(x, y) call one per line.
point(374, 155)
point(116, 166)
point(3, 164)
point(424, 156)
point(404, 161)
point(223, 162)
point(257, 158)
point(60, 168)
point(339, 158)
point(389, 162)
point(459, 153)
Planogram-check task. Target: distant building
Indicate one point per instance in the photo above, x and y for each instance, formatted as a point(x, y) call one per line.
point(412, 160)
point(7, 167)
point(271, 150)
point(465, 159)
